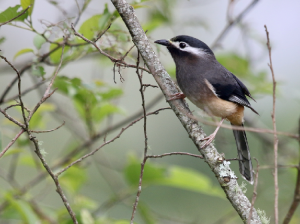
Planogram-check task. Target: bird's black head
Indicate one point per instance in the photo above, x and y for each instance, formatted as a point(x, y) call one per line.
point(186, 46)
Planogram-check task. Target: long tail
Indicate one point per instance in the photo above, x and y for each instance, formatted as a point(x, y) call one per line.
point(245, 163)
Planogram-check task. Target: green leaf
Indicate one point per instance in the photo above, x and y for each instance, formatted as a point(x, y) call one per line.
point(12, 12)
point(56, 55)
point(23, 208)
point(38, 71)
point(86, 217)
point(73, 179)
point(111, 93)
point(90, 27)
point(13, 151)
point(81, 201)
point(38, 41)
point(173, 176)
point(192, 180)
point(26, 3)
point(23, 51)
point(152, 173)
point(37, 120)
point(257, 83)
point(2, 39)
point(0, 141)
point(104, 110)
point(27, 161)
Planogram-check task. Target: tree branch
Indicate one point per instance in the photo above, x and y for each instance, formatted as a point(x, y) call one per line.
point(238, 200)
point(296, 199)
point(274, 128)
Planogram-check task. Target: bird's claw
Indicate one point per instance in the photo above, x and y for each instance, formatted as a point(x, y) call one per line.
point(176, 96)
point(209, 140)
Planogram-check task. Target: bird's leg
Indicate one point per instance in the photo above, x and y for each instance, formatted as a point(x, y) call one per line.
point(177, 96)
point(212, 136)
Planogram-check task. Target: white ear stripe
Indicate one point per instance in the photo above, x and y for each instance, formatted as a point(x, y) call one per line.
point(193, 50)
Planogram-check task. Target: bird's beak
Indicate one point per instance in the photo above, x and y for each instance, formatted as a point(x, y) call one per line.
point(166, 43)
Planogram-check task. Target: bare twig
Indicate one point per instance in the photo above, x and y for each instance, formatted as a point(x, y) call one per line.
point(26, 91)
point(19, 89)
point(11, 142)
point(296, 199)
point(274, 128)
point(250, 129)
point(254, 192)
point(233, 22)
point(25, 10)
point(175, 153)
point(107, 142)
point(146, 141)
point(119, 62)
point(42, 58)
point(54, 129)
point(55, 179)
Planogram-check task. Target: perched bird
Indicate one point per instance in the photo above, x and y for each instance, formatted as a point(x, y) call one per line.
point(212, 88)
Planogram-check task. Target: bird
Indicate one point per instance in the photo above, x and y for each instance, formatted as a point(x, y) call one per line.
point(212, 88)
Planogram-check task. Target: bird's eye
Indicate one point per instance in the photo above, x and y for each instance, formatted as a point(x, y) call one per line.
point(182, 45)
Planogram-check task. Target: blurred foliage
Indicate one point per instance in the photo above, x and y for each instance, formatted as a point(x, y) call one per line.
point(256, 82)
point(171, 176)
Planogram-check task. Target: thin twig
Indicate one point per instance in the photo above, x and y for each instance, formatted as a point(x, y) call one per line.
point(115, 60)
point(146, 141)
point(26, 91)
point(107, 142)
point(254, 192)
point(25, 68)
point(250, 129)
point(19, 90)
point(274, 128)
point(296, 199)
point(37, 147)
point(233, 22)
point(55, 179)
point(175, 153)
point(25, 10)
point(54, 129)
point(11, 142)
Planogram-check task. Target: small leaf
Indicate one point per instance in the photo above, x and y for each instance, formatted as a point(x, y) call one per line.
point(104, 110)
point(38, 119)
point(90, 27)
point(12, 12)
point(2, 39)
point(38, 41)
point(26, 3)
point(56, 55)
point(173, 176)
point(23, 208)
point(192, 180)
point(23, 51)
point(152, 173)
point(73, 179)
point(86, 217)
point(13, 151)
point(38, 71)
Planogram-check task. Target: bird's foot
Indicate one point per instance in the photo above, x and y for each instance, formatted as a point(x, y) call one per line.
point(209, 140)
point(176, 96)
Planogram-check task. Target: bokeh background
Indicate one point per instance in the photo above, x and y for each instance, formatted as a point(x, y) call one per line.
point(103, 188)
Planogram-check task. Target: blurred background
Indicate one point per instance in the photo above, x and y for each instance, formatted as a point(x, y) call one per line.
point(176, 189)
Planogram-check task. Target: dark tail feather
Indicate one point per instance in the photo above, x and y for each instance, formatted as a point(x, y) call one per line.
point(245, 163)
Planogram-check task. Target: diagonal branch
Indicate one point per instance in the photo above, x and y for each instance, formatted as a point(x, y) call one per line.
point(238, 200)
